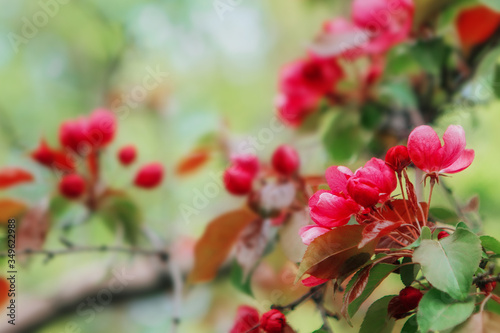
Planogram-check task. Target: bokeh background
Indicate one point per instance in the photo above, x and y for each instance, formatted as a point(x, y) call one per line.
point(217, 75)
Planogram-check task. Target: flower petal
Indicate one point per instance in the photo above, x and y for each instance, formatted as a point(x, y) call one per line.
point(313, 281)
point(424, 146)
point(330, 210)
point(454, 145)
point(462, 163)
point(309, 233)
point(336, 177)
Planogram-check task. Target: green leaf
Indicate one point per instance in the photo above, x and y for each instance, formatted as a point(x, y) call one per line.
point(400, 93)
point(444, 215)
point(408, 272)
point(237, 279)
point(377, 319)
point(449, 264)
point(371, 115)
point(462, 225)
point(342, 138)
point(438, 311)
point(123, 211)
point(426, 233)
point(431, 54)
point(490, 243)
point(362, 285)
point(493, 4)
point(320, 331)
point(411, 325)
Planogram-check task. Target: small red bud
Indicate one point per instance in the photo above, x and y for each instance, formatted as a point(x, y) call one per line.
point(149, 176)
point(73, 135)
point(488, 287)
point(273, 321)
point(237, 180)
point(443, 234)
point(127, 155)
point(398, 158)
point(102, 127)
point(246, 162)
point(72, 186)
point(286, 160)
point(363, 191)
point(407, 300)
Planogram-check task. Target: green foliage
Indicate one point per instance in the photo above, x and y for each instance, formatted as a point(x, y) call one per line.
point(238, 281)
point(411, 325)
point(449, 264)
point(431, 54)
point(121, 212)
point(342, 138)
point(376, 319)
point(444, 215)
point(409, 271)
point(493, 4)
point(439, 311)
point(490, 243)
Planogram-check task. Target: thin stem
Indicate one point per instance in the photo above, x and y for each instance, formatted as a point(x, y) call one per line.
point(433, 182)
point(397, 241)
point(303, 298)
point(400, 178)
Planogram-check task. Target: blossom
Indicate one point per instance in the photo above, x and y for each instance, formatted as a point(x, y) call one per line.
point(328, 209)
point(285, 160)
point(397, 158)
point(273, 321)
point(294, 107)
point(247, 320)
point(428, 154)
point(387, 22)
point(375, 175)
point(340, 37)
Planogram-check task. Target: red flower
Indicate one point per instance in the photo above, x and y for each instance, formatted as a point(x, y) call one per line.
point(376, 172)
point(149, 176)
point(102, 127)
point(247, 162)
point(407, 300)
point(363, 191)
point(330, 210)
point(247, 320)
point(237, 180)
point(285, 160)
point(127, 155)
point(387, 22)
point(428, 154)
point(294, 107)
point(72, 186)
point(398, 158)
point(273, 321)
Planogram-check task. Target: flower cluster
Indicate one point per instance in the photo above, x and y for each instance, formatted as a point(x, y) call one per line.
point(377, 25)
point(366, 194)
point(78, 158)
point(247, 320)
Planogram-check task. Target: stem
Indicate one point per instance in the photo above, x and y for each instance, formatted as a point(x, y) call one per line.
point(396, 240)
point(433, 182)
point(404, 197)
point(294, 304)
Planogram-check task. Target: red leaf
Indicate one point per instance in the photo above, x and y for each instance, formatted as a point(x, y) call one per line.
point(10, 208)
point(33, 228)
point(14, 176)
point(193, 162)
point(216, 243)
point(335, 254)
point(475, 25)
point(377, 229)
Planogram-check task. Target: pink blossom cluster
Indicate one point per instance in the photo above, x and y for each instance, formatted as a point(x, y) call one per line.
point(376, 26)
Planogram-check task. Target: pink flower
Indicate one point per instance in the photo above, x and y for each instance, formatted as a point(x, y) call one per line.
point(363, 191)
point(340, 37)
point(101, 127)
point(285, 160)
point(387, 22)
point(294, 107)
point(246, 319)
point(382, 176)
point(397, 158)
point(330, 210)
point(429, 155)
point(247, 162)
point(309, 233)
point(337, 177)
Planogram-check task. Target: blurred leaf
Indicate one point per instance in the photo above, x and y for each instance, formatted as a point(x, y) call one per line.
point(362, 286)
point(438, 311)
point(342, 138)
point(408, 272)
point(292, 245)
point(14, 176)
point(377, 319)
point(444, 215)
point(193, 162)
point(493, 4)
point(122, 211)
point(214, 246)
point(449, 264)
point(371, 115)
point(482, 322)
point(431, 54)
point(326, 255)
point(241, 282)
point(490, 243)
point(411, 325)
point(10, 208)
point(496, 81)
point(399, 93)
point(33, 227)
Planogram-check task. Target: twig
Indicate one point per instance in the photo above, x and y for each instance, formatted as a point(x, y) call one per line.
point(303, 298)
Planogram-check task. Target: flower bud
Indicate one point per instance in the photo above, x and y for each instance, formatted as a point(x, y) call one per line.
point(149, 176)
point(273, 321)
point(488, 287)
point(442, 235)
point(407, 300)
point(363, 191)
point(127, 155)
point(73, 135)
point(237, 180)
point(398, 158)
point(285, 160)
point(72, 186)
point(246, 162)
point(102, 127)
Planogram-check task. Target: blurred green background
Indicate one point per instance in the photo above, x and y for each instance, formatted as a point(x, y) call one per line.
point(219, 74)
